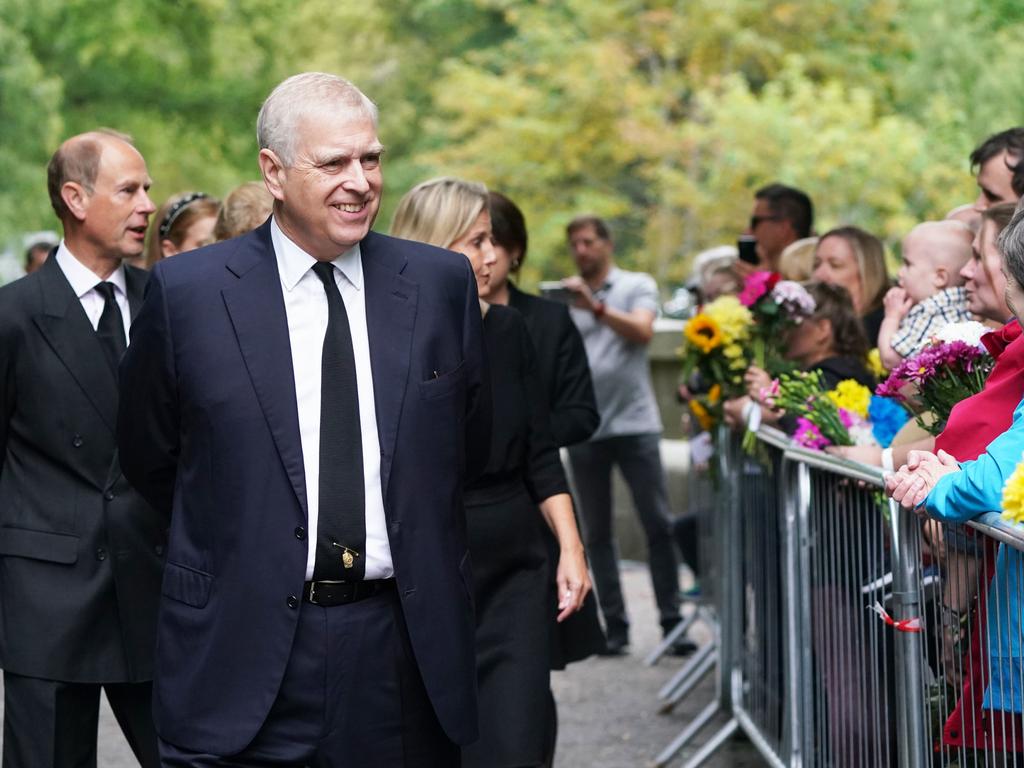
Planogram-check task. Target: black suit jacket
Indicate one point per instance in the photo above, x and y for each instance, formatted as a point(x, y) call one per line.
point(562, 365)
point(80, 551)
point(209, 434)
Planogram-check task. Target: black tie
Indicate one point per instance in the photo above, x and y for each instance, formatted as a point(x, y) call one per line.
point(341, 529)
point(111, 327)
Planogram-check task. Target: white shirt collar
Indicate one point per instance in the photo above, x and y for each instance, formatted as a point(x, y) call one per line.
point(82, 278)
point(293, 262)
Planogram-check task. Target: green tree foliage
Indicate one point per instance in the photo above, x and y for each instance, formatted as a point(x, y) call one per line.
point(662, 115)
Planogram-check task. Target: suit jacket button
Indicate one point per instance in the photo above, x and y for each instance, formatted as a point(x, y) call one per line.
point(101, 553)
point(300, 533)
point(77, 441)
point(109, 495)
point(293, 601)
point(159, 549)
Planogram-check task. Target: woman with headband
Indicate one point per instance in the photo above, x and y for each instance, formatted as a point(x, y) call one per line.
point(183, 223)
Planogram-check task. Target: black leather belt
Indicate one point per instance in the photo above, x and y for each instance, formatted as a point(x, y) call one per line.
point(330, 593)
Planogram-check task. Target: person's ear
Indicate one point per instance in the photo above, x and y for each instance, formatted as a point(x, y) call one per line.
point(168, 247)
point(76, 198)
point(273, 171)
point(940, 278)
point(823, 333)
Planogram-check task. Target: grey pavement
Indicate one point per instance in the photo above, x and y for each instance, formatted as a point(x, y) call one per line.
point(607, 706)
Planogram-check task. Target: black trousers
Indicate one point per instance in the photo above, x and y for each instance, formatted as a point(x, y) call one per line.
point(639, 459)
point(352, 695)
point(50, 723)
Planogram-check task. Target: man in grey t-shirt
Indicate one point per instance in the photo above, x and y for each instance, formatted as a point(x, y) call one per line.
point(615, 311)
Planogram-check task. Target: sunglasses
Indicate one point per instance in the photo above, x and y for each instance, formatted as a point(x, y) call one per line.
point(755, 220)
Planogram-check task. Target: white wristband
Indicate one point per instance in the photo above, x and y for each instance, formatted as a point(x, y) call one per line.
point(887, 462)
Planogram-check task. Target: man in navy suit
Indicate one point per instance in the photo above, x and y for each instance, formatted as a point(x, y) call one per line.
point(302, 403)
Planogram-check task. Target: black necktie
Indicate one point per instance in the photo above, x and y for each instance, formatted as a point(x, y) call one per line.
point(341, 528)
point(111, 327)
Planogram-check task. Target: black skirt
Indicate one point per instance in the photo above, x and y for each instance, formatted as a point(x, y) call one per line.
point(510, 577)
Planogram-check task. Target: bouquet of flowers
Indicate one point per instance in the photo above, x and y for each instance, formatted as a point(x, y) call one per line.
point(776, 306)
point(715, 347)
point(824, 417)
point(943, 374)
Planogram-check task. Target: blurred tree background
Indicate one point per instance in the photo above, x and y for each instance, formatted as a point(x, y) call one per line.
point(662, 115)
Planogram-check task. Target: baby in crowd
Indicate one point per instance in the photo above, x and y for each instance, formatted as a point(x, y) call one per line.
point(930, 294)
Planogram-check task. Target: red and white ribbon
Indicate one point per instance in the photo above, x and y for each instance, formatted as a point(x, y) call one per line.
point(904, 625)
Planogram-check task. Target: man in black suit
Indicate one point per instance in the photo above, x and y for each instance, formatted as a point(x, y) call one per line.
point(302, 403)
point(80, 551)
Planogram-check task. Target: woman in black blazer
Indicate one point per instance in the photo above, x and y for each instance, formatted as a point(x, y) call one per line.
point(573, 416)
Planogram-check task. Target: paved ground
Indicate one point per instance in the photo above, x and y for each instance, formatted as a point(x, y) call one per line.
point(608, 707)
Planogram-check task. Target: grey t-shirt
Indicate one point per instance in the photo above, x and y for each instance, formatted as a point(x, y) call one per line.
point(619, 368)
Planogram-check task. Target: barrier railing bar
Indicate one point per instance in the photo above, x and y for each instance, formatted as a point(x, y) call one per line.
point(992, 525)
point(910, 693)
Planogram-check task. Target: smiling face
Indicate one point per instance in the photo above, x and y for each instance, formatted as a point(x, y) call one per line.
point(986, 285)
point(327, 199)
point(476, 244)
point(835, 263)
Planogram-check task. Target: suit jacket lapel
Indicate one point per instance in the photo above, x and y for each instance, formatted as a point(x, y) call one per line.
point(135, 282)
point(390, 317)
point(256, 306)
point(68, 331)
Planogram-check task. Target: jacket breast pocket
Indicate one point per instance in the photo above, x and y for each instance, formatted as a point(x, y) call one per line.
point(39, 545)
point(186, 585)
point(442, 385)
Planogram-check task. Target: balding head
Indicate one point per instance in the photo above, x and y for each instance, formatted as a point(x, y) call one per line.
point(78, 161)
point(933, 255)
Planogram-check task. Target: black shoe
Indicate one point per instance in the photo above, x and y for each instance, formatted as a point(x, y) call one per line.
point(682, 647)
point(615, 646)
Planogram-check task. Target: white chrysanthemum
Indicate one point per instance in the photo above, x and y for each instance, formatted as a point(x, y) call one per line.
point(969, 332)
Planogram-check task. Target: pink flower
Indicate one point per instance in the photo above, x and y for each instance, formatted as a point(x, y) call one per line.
point(809, 436)
point(756, 286)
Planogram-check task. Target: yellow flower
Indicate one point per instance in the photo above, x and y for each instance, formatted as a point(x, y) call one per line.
point(703, 333)
point(704, 418)
point(852, 397)
point(875, 364)
point(732, 318)
point(732, 351)
point(1013, 496)
point(715, 394)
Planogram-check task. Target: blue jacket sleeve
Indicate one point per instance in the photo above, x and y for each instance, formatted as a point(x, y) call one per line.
point(978, 487)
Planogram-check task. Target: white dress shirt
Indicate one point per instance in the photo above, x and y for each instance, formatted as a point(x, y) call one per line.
point(305, 305)
point(84, 281)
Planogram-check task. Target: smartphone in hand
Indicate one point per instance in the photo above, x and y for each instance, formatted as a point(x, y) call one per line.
point(555, 291)
point(747, 246)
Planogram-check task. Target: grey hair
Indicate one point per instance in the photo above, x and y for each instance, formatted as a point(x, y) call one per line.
point(299, 96)
point(1011, 246)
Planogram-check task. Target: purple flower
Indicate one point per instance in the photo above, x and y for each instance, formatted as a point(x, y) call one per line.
point(793, 298)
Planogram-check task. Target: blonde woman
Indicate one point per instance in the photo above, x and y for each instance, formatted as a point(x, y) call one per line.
point(523, 474)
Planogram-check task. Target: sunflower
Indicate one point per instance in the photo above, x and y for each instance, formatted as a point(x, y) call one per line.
point(703, 333)
point(1013, 496)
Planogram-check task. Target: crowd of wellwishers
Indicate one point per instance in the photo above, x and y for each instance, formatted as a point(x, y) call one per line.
point(924, 377)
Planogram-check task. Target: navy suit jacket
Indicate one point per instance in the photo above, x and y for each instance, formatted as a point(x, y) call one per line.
point(208, 433)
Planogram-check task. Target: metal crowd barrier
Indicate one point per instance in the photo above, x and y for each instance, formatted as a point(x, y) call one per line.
point(849, 633)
